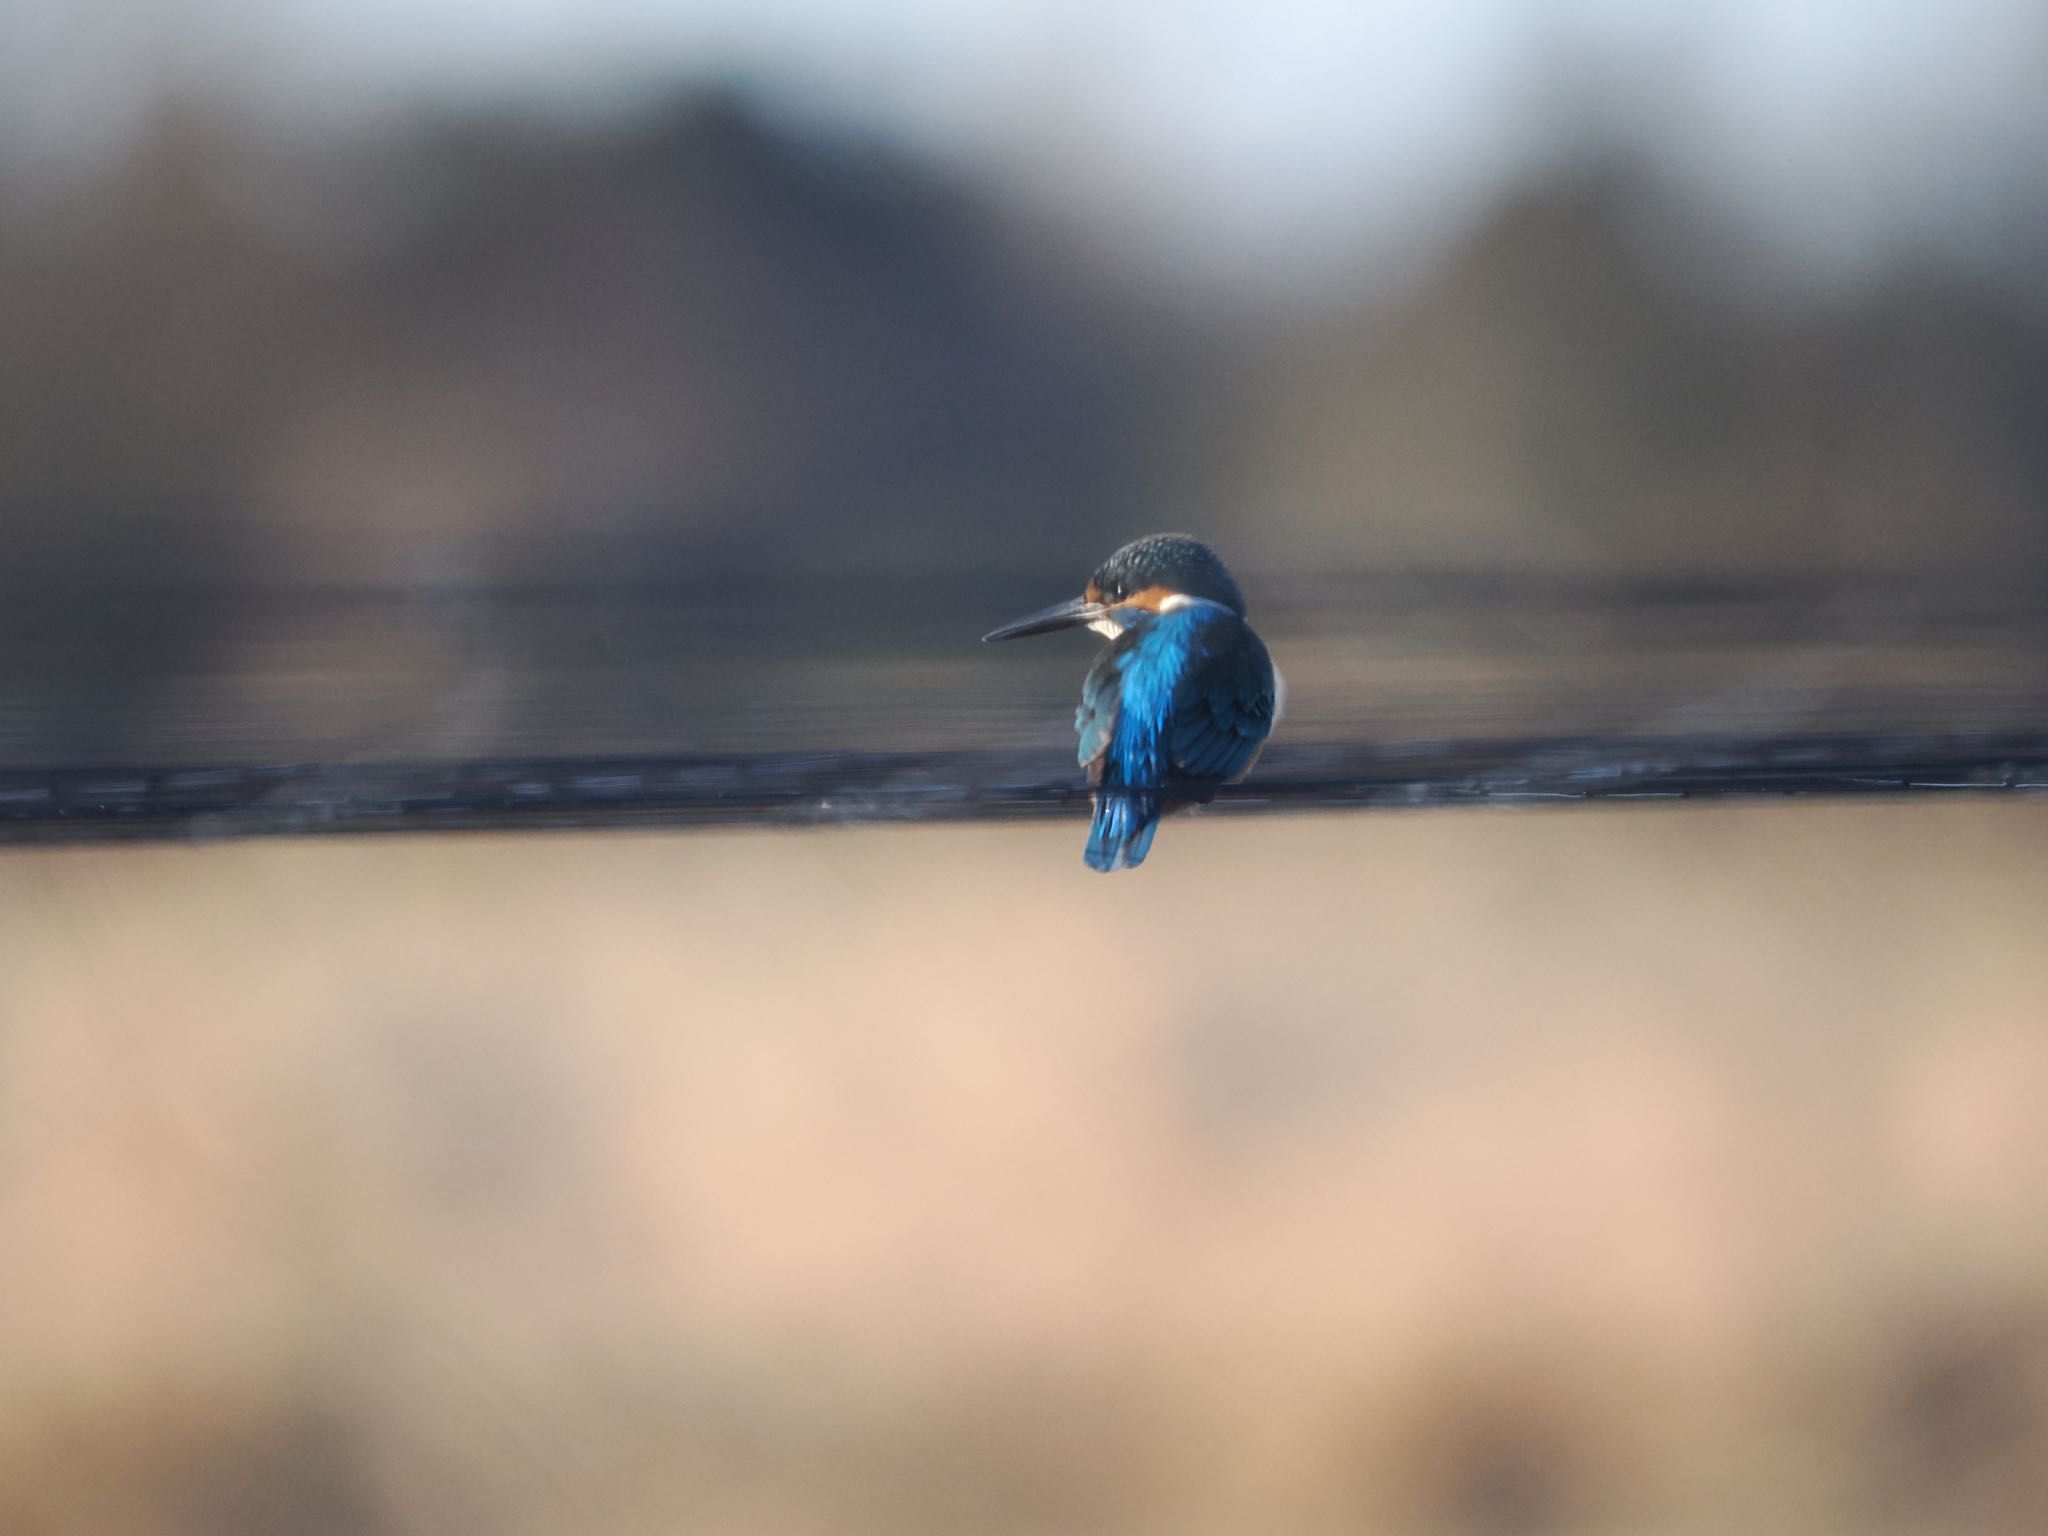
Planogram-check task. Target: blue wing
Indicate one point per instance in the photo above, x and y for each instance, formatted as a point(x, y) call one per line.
point(1223, 707)
point(1175, 705)
point(1185, 695)
point(1102, 696)
point(1123, 745)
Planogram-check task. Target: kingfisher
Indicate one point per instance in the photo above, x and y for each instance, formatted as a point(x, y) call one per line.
point(1180, 700)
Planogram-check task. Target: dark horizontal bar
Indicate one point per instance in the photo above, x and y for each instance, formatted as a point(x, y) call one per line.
point(230, 800)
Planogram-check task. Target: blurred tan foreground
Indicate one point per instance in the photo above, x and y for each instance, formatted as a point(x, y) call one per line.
point(1594, 1171)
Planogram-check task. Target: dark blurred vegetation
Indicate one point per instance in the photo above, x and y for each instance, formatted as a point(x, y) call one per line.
point(501, 349)
point(814, 397)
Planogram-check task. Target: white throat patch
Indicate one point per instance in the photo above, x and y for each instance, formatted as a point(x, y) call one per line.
point(1107, 625)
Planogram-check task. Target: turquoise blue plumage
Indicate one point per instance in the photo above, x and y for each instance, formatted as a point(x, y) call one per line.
point(1178, 703)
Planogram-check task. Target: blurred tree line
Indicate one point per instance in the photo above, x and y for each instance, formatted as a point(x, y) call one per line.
point(485, 349)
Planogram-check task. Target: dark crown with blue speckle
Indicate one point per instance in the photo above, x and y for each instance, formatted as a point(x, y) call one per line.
point(1170, 560)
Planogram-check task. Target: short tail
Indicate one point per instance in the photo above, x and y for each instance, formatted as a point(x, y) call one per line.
point(1122, 833)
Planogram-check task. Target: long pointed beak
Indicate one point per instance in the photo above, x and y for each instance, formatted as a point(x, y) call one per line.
point(1075, 610)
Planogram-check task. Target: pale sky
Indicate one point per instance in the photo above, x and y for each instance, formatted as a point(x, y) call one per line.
point(1239, 138)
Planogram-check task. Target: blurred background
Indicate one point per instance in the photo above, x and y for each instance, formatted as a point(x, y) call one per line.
point(387, 381)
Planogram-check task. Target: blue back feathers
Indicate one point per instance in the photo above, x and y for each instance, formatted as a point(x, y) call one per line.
point(1177, 704)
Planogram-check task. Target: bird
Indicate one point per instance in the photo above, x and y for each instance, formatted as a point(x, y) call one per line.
point(1179, 702)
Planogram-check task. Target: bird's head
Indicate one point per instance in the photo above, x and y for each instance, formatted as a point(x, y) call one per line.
point(1155, 574)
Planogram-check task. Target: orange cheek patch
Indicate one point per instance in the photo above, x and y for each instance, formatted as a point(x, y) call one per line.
point(1152, 598)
